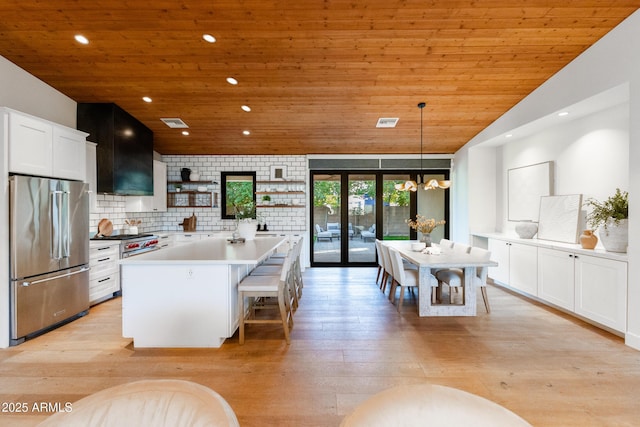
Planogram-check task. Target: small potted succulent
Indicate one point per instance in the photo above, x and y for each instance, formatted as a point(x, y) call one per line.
point(266, 199)
point(611, 218)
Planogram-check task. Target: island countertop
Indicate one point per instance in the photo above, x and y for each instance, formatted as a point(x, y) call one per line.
point(211, 251)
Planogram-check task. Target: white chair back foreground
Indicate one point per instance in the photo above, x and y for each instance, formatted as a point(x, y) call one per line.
point(430, 405)
point(157, 402)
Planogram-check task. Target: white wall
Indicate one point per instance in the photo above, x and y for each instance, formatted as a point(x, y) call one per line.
point(23, 92)
point(612, 62)
point(589, 157)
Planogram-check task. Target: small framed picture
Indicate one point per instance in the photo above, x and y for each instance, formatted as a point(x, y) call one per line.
point(278, 173)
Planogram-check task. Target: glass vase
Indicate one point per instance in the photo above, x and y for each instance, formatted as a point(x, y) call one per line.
point(426, 239)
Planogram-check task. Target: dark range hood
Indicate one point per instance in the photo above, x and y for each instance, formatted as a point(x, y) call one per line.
point(124, 150)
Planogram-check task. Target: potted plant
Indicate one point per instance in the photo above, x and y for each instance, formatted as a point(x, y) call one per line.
point(611, 217)
point(266, 199)
point(245, 220)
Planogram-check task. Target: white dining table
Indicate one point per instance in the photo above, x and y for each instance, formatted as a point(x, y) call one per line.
point(447, 258)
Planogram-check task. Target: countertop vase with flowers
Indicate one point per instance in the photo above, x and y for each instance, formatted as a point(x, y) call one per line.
point(424, 226)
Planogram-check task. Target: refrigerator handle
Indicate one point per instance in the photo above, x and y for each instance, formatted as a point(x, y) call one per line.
point(60, 224)
point(55, 224)
point(66, 226)
point(82, 270)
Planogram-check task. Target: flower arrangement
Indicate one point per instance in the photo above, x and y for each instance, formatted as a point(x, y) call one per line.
point(424, 224)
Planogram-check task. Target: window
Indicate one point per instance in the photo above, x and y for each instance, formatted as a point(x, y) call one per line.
point(238, 192)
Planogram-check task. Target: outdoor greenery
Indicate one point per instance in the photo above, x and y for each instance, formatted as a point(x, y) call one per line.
point(614, 208)
point(327, 193)
point(240, 196)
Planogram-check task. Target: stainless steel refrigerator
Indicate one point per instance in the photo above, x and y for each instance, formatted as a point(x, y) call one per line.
point(49, 253)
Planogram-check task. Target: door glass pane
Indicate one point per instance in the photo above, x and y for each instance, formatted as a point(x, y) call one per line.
point(431, 204)
point(395, 210)
point(326, 216)
point(360, 228)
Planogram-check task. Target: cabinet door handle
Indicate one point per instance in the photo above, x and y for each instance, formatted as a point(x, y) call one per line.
point(570, 255)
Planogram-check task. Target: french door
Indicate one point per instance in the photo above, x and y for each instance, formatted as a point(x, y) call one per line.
point(353, 209)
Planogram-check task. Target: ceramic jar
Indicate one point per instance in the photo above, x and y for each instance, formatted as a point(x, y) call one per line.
point(588, 240)
point(426, 239)
point(526, 229)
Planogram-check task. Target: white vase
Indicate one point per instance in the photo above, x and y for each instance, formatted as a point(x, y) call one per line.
point(247, 229)
point(526, 229)
point(615, 237)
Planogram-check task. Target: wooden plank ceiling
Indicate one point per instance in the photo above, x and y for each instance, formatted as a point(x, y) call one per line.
point(317, 74)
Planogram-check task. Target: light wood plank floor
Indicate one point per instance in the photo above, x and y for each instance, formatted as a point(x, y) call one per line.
point(348, 343)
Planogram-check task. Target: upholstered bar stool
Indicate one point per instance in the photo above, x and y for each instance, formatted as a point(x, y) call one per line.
point(258, 289)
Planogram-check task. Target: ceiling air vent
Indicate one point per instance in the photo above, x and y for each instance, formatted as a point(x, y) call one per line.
point(387, 122)
point(175, 123)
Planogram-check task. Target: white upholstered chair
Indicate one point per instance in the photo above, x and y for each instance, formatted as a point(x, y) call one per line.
point(148, 403)
point(420, 405)
point(446, 244)
point(454, 278)
point(406, 278)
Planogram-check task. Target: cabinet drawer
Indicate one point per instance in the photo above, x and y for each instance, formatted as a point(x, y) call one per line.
point(103, 265)
point(104, 250)
point(103, 286)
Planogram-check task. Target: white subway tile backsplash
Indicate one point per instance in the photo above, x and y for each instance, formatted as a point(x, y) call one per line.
point(209, 168)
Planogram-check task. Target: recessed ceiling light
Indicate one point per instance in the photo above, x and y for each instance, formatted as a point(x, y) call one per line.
point(509, 135)
point(563, 113)
point(246, 108)
point(185, 132)
point(147, 99)
point(81, 39)
point(232, 81)
point(209, 38)
point(246, 132)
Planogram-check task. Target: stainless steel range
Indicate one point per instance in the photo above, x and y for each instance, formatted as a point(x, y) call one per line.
point(133, 244)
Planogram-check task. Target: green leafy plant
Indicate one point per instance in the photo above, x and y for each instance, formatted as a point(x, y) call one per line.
point(615, 208)
point(266, 198)
point(245, 211)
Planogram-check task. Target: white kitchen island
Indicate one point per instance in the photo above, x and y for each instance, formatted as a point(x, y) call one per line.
point(187, 296)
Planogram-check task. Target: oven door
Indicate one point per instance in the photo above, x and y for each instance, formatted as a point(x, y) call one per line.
point(139, 251)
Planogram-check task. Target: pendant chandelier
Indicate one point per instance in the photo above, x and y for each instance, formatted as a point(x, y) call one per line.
point(432, 184)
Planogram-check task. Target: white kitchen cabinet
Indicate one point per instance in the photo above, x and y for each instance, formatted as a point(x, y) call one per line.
point(165, 240)
point(157, 202)
point(601, 291)
point(39, 147)
point(593, 287)
point(92, 176)
point(556, 277)
point(104, 276)
point(517, 265)
point(69, 153)
point(30, 145)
